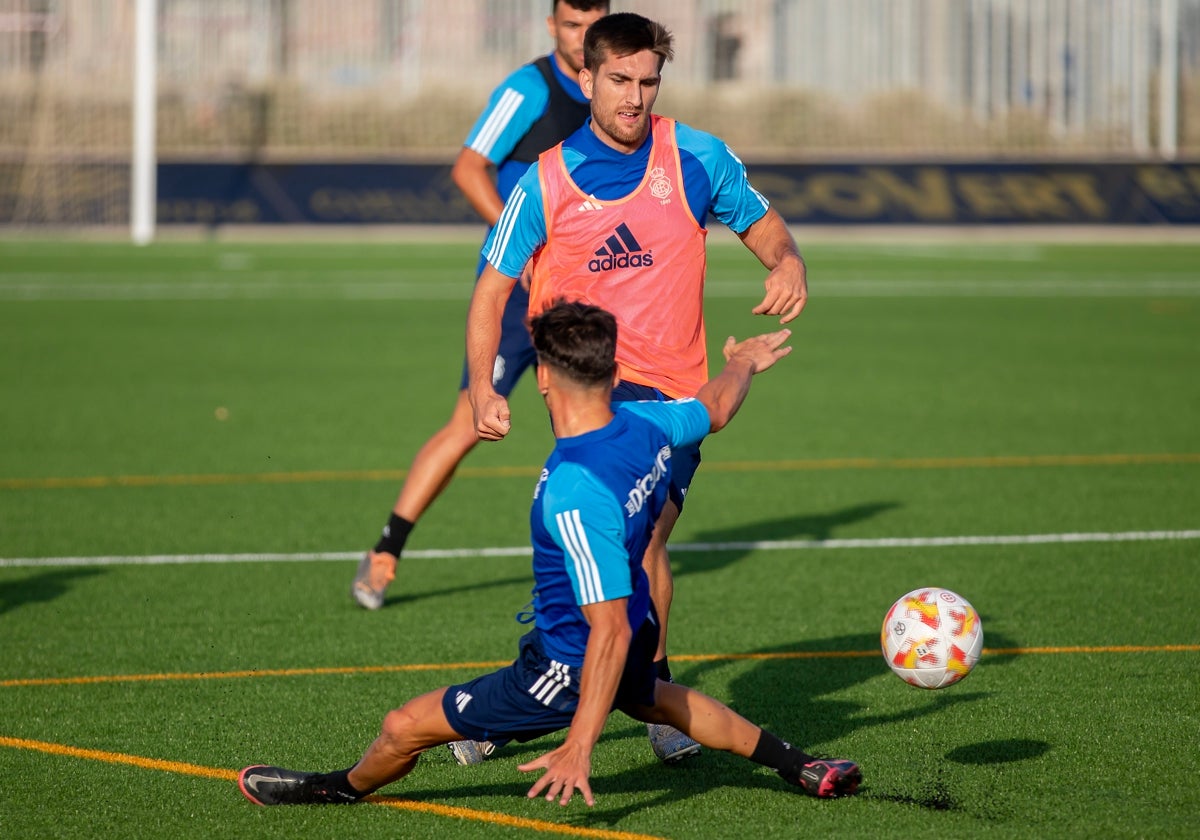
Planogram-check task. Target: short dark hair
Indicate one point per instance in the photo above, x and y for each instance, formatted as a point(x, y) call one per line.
point(626, 33)
point(578, 339)
point(580, 5)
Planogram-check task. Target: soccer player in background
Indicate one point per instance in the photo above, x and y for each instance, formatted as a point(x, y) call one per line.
point(535, 107)
point(615, 216)
point(594, 639)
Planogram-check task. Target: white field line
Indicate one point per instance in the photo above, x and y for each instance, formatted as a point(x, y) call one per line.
point(524, 551)
point(221, 290)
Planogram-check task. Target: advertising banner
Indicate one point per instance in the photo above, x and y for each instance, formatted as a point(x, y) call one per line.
point(1007, 193)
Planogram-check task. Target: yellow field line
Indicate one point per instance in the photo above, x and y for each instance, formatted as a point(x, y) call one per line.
point(264, 672)
point(313, 476)
point(387, 801)
point(506, 820)
point(1091, 649)
point(120, 758)
point(480, 666)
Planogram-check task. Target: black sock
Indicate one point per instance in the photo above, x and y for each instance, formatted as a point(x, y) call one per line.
point(395, 535)
point(780, 756)
point(663, 669)
point(336, 788)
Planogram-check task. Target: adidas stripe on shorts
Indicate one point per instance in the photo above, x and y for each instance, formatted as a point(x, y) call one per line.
point(537, 695)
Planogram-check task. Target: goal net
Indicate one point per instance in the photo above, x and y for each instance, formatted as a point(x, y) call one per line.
point(65, 82)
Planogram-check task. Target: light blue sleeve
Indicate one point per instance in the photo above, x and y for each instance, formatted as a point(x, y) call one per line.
point(521, 229)
point(685, 421)
point(511, 111)
point(735, 202)
point(588, 523)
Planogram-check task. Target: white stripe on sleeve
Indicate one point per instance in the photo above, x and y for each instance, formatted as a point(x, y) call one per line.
point(570, 526)
point(504, 226)
point(497, 121)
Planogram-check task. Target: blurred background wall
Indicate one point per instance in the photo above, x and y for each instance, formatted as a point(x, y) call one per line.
point(782, 81)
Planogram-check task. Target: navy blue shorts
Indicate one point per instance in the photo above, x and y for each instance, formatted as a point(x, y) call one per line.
point(515, 354)
point(537, 695)
point(685, 460)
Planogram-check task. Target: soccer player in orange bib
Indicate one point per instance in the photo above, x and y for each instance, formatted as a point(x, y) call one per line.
point(615, 216)
point(538, 105)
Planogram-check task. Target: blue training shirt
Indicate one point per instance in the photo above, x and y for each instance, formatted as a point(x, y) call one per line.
point(513, 108)
point(593, 512)
point(714, 182)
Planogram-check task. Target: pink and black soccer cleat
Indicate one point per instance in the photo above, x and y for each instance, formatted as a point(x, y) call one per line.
point(829, 778)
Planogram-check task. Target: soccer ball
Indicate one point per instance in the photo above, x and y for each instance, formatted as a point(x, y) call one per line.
point(931, 637)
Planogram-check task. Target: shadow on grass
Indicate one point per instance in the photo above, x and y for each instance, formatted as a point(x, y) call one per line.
point(998, 752)
point(813, 711)
point(817, 526)
point(816, 712)
point(42, 587)
point(401, 597)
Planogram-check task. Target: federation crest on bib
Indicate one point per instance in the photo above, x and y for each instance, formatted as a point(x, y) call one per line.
point(660, 184)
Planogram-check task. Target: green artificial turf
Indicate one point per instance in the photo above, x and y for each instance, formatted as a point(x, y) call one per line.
point(224, 399)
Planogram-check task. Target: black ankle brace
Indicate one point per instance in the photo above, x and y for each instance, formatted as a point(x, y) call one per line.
point(395, 535)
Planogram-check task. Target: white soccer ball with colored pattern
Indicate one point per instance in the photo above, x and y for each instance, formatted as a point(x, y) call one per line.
point(931, 637)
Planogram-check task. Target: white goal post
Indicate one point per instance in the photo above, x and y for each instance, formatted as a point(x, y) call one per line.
point(143, 183)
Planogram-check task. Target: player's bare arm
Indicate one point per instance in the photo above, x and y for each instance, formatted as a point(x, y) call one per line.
point(492, 419)
point(569, 767)
point(723, 394)
point(474, 176)
point(787, 283)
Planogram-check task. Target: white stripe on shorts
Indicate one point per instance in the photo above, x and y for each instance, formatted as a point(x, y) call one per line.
point(550, 683)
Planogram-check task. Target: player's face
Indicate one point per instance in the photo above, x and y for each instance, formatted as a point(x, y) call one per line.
point(567, 27)
point(623, 90)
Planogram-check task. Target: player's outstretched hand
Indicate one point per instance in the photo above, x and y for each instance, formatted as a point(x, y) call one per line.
point(723, 394)
point(787, 291)
point(492, 417)
point(567, 770)
point(761, 351)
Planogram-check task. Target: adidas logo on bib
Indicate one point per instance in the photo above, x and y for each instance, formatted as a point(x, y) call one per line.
point(620, 250)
